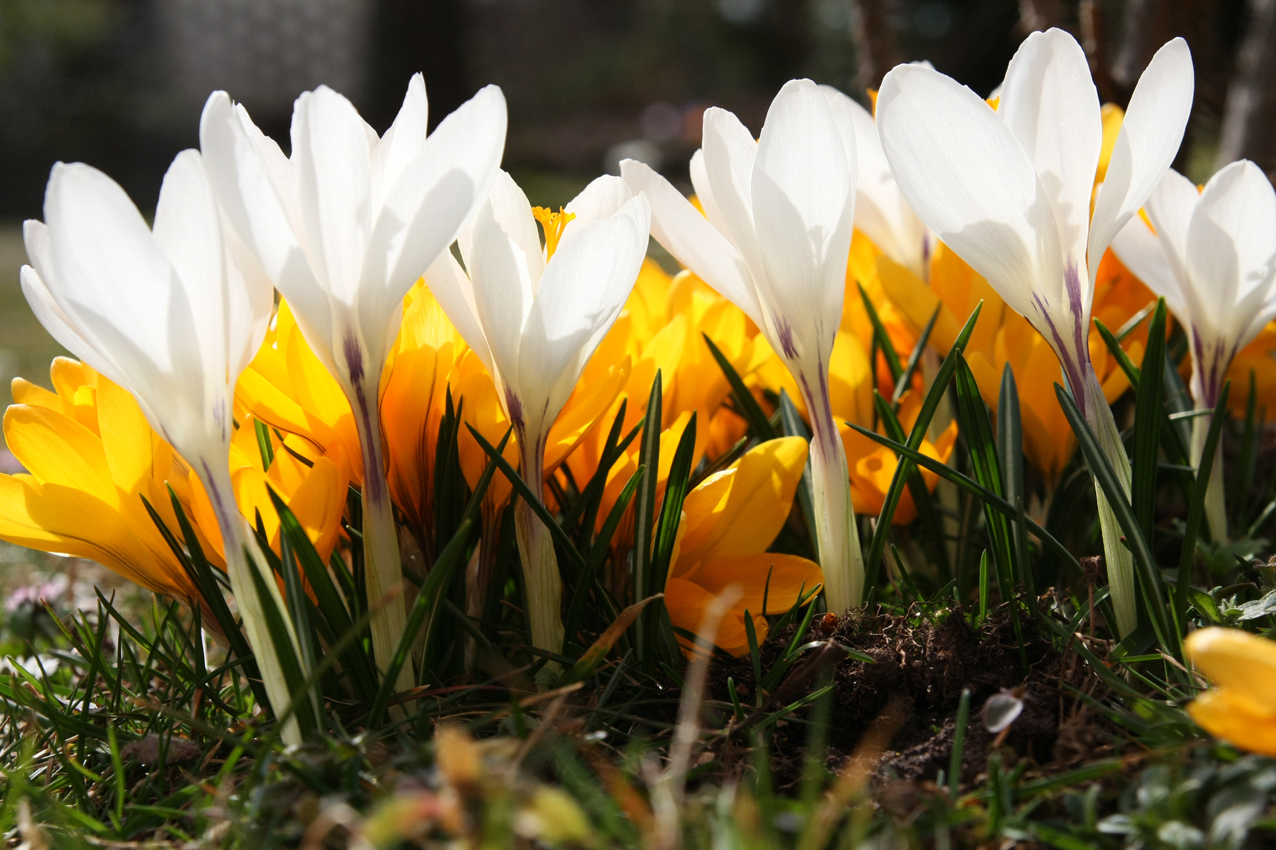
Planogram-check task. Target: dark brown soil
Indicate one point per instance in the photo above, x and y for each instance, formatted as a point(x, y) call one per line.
point(928, 664)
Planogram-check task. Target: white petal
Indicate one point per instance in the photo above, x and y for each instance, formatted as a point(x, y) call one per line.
point(188, 230)
point(108, 262)
point(502, 291)
point(1149, 139)
point(250, 302)
point(442, 188)
point(402, 143)
point(803, 206)
point(603, 197)
point(51, 315)
point(692, 240)
point(513, 212)
point(1140, 250)
point(1050, 104)
point(1231, 249)
point(252, 184)
point(584, 288)
point(969, 181)
point(729, 152)
point(455, 294)
point(704, 192)
point(1170, 208)
point(334, 176)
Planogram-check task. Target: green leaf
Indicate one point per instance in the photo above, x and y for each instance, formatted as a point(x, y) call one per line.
point(1149, 573)
point(919, 348)
point(645, 504)
point(676, 488)
point(882, 338)
point(878, 546)
point(598, 553)
point(793, 426)
point(1196, 509)
point(746, 404)
point(929, 518)
point(422, 616)
point(975, 489)
point(538, 507)
point(589, 661)
point(1149, 412)
point(354, 660)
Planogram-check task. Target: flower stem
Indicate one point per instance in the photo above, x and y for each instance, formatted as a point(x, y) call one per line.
point(536, 548)
point(837, 537)
point(239, 564)
point(1120, 561)
point(383, 570)
point(1215, 496)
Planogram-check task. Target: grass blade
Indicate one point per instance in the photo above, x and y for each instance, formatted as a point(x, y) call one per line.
point(1196, 509)
point(1149, 411)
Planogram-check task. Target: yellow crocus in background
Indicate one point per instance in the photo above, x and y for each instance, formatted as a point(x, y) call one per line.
point(90, 458)
point(729, 520)
point(1241, 708)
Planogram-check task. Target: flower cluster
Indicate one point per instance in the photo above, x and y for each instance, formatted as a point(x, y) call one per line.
point(430, 322)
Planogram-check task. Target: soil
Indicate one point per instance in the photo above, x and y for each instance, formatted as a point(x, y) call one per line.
point(926, 665)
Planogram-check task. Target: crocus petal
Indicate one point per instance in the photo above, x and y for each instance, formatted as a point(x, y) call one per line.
point(1140, 250)
point(804, 202)
point(693, 240)
point(1226, 715)
point(252, 187)
point(969, 179)
point(455, 293)
point(334, 178)
point(402, 143)
point(503, 294)
point(584, 287)
point(1149, 139)
point(769, 577)
point(729, 154)
point(436, 195)
point(747, 517)
point(1237, 661)
point(1049, 103)
point(1230, 244)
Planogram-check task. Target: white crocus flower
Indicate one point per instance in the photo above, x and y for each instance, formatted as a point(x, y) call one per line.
point(173, 314)
point(1213, 257)
point(1009, 191)
point(774, 240)
point(534, 316)
point(343, 228)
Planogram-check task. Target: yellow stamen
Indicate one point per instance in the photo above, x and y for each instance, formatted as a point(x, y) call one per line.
point(552, 223)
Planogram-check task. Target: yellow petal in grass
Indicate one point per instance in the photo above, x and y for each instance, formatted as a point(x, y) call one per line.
point(1238, 662)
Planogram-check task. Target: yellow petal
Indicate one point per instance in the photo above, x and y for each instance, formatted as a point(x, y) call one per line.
point(318, 503)
point(1227, 715)
point(918, 302)
point(687, 602)
point(787, 575)
point(58, 450)
point(1238, 661)
point(755, 507)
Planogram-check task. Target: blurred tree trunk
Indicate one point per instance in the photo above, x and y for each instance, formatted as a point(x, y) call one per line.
point(1041, 15)
point(1149, 24)
point(1249, 122)
point(876, 42)
point(418, 35)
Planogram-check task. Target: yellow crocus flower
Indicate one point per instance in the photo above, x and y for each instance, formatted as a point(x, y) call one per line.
point(287, 387)
point(728, 522)
point(90, 457)
point(1241, 708)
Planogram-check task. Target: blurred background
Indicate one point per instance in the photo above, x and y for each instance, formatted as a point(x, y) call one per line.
point(120, 83)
